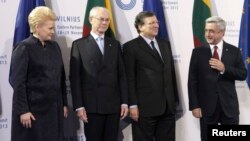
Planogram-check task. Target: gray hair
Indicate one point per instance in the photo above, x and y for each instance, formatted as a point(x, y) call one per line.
point(93, 11)
point(217, 20)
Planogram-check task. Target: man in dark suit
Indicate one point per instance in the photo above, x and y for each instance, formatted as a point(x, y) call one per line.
point(98, 82)
point(213, 70)
point(151, 82)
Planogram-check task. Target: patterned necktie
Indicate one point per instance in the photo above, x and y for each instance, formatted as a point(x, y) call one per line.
point(215, 54)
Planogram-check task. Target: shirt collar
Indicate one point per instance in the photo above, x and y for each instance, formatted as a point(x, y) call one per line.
point(219, 45)
point(147, 39)
point(96, 36)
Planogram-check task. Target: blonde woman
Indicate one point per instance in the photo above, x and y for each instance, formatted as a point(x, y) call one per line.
point(37, 73)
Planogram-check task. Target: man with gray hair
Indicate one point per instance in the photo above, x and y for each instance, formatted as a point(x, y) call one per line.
point(213, 69)
point(98, 82)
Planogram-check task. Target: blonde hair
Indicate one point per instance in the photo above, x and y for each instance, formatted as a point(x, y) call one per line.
point(39, 15)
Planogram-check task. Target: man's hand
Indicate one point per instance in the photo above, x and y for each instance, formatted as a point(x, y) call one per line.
point(26, 118)
point(134, 113)
point(124, 111)
point(65, 111)
point(197, 112)
point(217, 64)
point(82, 115)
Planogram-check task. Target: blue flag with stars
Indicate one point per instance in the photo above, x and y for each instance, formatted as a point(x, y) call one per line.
point(244, 39)
point(22, 29)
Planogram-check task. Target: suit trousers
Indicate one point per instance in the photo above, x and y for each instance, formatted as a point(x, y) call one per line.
point(102, 127)
point(217, 117)
point(157, 128)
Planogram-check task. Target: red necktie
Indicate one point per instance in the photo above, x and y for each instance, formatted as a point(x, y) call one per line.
point(216, 55)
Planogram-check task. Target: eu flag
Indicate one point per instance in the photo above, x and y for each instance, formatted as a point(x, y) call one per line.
point(22, 29)
point(244, 39)
point(156, 7)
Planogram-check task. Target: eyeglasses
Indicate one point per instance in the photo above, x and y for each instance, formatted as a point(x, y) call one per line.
point(102, 19)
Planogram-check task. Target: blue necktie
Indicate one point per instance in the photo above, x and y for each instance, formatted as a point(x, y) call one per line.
point(100, 44)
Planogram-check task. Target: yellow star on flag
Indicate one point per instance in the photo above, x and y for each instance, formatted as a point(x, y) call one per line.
point(248, 60)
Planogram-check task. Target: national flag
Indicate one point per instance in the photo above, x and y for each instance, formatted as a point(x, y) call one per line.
point(86, 25)
point(244, 39)
point(157, 7)
point(201, 11)
point(22, 29)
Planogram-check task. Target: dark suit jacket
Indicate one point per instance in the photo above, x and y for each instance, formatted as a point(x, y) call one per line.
point(206, 85)
point(98, 81)
point(151, 83)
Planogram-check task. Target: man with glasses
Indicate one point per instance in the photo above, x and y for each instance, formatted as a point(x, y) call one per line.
point(98, 82)
point(213, 69)
point(151, 81)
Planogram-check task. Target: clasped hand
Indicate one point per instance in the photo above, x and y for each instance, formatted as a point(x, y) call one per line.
point(217, 64)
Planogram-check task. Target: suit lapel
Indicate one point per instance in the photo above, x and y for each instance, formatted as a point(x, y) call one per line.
point(225, 51)
point(93, 46)
point(207, 56)
point(224, 54)
point(207, 46)
point(107, 49)
point(145, 46)
point(163, 51)
point(93, 50)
